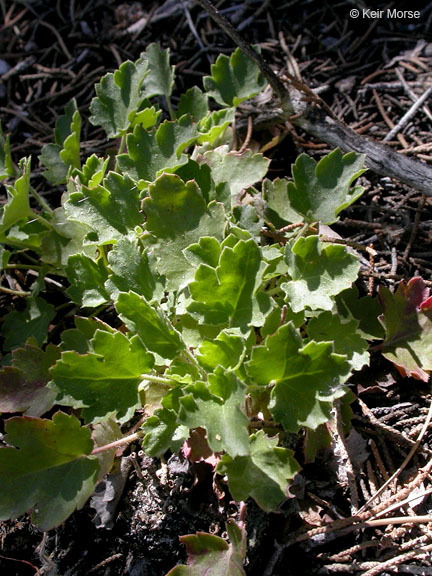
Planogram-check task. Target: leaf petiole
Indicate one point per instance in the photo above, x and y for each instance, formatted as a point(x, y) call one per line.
point(170, 108)
point(41, 201)
point(158, 379)
point(117, 443)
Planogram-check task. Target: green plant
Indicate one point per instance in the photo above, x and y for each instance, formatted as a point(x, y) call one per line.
point(231, 314)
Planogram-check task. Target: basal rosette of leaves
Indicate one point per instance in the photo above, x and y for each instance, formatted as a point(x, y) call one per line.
point(213, 324)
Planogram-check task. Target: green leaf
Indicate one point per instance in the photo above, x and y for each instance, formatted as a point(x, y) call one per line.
point(78, 339)
point(239, 171)
point(206, 251)
point(4, 257)
point(118, 98)
point(105, 381)
point(365, 310)
point(278, 209)
point(130, 270)
point(46, 469)
point(146, 118)
point(183, 371)
point(162, 431)
point(407, 319)
point(33, 321)
point(227, 350)
point(93, 171)
point(160, 78)
point(225, 294)
point(233, 79)
point(347, 340)
point(6, 165)
point(317, 273)
point(213, 126)
point(150, 153)
point(193, 102)
point(55, 169)
point(64, 240)
point(60, 157)
point(201, 174)
point(18, 204)
point(304, 379)
point(178, 216)
point(320, 191)
point(218, 408)
point(153, 326)
point(111, 210)
point(210, 555)
point(263, 475)
point(86, 279)
point(23, 385)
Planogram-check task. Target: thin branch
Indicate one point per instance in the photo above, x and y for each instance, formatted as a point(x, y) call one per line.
point(409, 114)
point(318, 121)
point(405, 462)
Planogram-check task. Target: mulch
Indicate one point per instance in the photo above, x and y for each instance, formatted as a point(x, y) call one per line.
point(370, 72)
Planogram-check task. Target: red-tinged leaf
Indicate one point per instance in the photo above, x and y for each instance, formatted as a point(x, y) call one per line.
point(23, 386)
point(427, 304)
point(210, 555)
point(407, 319)
point(46, 469)
point(196, 448)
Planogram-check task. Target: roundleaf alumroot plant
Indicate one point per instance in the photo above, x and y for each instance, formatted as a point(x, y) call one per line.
point(202, 294)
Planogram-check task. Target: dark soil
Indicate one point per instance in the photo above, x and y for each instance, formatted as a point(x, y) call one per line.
point(364, 67)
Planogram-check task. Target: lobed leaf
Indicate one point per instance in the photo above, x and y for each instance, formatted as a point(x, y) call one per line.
point(304, 380)
point(320, 191)
point(18, 204)
point(110, 210)
point(87, 279)
point(103, 382)
point(344, 334)
point(46, 470)
point(23, 386)
point(150, 153)
point(278, 209)
point(227, 350)
point(239, 171)
point(162, 429)
point(264, 474)
point(131, 270)
point(210, 555)
point(60, 157)
point(365, 310)
point(225, 294)
point(65, 239)
point(119, 97)
point(151, 325)
point(317, 273)
point(93, 171)
point(233, 79)
point(193, 102)
point(32, 322)
point(218, 407)
point(160, 78)
point(178, 216)
point(407, 319)
point(213, 126)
